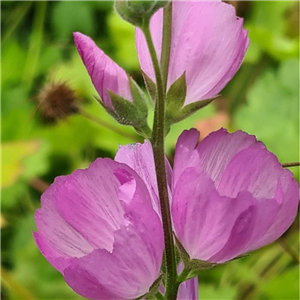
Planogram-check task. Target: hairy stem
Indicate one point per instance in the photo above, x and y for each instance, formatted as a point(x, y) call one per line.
point(166, 44)
point(157, 142)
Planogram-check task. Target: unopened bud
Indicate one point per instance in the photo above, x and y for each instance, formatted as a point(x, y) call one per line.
point(140, 7)
point(137, 12)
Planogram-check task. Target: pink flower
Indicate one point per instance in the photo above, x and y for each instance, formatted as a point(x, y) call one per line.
point(188, 290)
point(98, 228)
point(208, 42)
point(101, 228)
point(106, 75)
point(229, 195)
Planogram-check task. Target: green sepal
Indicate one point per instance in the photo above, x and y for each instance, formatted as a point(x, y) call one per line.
point(176, 96)
point(126, 14)
point(139, 99)
point(107, 108)
point(188, 110)
point(151, 87)
point(126, 112)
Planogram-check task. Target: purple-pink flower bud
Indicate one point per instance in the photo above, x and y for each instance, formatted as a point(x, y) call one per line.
point(98, 228)
point(104, 72)
point(208, 43)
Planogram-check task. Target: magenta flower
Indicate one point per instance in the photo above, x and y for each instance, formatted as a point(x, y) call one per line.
point(230, 195)
point(98, 228)
point(101, 227)
point(208, 42)
point(188, 290)
point(105, 74)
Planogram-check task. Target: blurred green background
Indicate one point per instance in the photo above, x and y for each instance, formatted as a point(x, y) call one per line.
point(37, 49)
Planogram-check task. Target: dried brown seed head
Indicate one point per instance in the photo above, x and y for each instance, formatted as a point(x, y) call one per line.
point(57, 101)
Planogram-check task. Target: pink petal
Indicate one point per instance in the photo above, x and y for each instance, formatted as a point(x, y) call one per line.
point(258, 171)
point(204, 220)
point(141, 45)
point(208, 42)
point(140, 158)
point(213, 153)
point(230, 195)
point(289, 201)
point(188, 289)
point(217, 149)
point(134, 264)
point(97, 226)
point(56, 238)
point(93, 196)
point(253, 169)
point(104, 72)
point(86, 284)
point(185, 154)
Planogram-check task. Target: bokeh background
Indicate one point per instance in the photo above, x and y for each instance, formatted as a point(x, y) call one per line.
point(37, 145)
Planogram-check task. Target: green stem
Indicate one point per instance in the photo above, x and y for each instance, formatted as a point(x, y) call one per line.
point(157, 142)
point(107, 125)
point(166, 44)
point(183, 276)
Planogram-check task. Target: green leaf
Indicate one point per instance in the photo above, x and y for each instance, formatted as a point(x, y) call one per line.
point(272, 112)
point(176, 96)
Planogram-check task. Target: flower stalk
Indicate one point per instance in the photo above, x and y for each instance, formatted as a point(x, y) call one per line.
point(157, 141)
point(166, 43)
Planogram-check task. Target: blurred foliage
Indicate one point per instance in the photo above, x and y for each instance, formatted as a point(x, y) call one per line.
point(37, 48)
